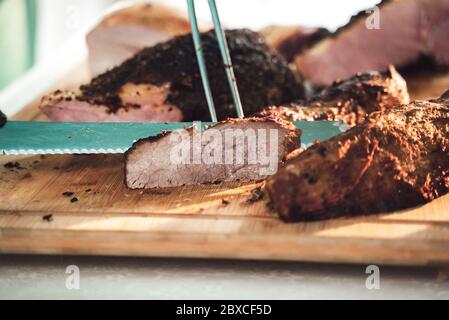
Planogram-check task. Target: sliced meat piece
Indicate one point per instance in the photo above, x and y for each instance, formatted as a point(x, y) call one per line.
point(294, 40)
point(163, 83)
point(349, 101)
point(127, 30)
point(233, 150)
point(396, 159)
point(408, 30)
point(152, 107)
point(3, 119)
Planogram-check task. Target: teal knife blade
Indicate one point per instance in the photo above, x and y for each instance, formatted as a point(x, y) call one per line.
point(32, 138)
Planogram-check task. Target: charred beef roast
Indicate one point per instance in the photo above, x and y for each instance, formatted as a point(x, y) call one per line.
point(399, 33)
point(350, 100)
point(233, 150)
point(163, 83)
point(396, 159)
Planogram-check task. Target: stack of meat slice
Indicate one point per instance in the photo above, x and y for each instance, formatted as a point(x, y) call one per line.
point(349, 101)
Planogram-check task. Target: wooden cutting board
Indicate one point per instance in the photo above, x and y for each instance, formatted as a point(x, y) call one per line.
point(102, 217)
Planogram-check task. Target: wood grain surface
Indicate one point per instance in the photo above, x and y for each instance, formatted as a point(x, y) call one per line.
point(78, 205)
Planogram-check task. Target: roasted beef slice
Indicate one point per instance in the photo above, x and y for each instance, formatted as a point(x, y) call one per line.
point(233, 150)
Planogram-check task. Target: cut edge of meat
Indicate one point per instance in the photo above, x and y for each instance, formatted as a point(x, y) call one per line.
point(291, 41)
point(289, 142)
point(64, 106)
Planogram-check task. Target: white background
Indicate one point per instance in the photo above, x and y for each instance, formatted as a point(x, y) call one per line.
point(59, 20)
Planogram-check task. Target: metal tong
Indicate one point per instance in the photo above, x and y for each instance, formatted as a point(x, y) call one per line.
point(224, 50)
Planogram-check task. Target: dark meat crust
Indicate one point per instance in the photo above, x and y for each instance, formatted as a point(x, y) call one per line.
point(297, 44)
point(263, 76)
point(395, 160)
point(350, 100)
point(291, 41)
point(3, 119)
point(445, 95)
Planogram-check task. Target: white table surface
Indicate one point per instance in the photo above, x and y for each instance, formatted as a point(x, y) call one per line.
point(43, 277)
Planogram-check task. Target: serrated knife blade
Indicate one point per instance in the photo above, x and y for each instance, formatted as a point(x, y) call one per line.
point(35, 138)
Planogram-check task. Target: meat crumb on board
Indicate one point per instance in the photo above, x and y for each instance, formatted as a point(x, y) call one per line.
point(256, 195)
point(13, 165)
point(68, 194)
point(48, 218)
point(27, 176)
